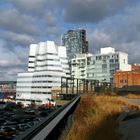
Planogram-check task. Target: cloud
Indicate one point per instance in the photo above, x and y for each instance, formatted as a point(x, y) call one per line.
point(113, 23)
point(16, 56)
point(22, 23)
point(33, 7)
point(121, 32)
point(10, 74)
point(92, 10)
point(12, 61)
point(101, 39)
point(17, 39)
point(51, 22)
point(50, 19)
point(16, 22)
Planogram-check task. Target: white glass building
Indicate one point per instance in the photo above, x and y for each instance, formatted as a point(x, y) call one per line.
point(47, 64)
point(100, 66)
point(79, 66)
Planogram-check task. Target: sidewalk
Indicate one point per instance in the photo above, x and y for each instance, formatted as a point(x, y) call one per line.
point(129, 124)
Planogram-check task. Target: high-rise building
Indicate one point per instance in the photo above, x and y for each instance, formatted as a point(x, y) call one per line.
point(47, 64)
point(75, 42)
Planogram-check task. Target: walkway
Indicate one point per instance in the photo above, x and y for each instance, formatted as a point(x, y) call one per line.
point(129, 123)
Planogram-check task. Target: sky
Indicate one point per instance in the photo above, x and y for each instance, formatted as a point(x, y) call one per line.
point(109, 23)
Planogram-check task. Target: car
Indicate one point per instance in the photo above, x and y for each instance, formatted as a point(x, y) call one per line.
point(53, 103)
point(48, 103)
point(23, 127)
point(6, 130)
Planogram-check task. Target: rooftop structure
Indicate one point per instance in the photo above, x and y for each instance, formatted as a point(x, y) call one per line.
point(107, 50)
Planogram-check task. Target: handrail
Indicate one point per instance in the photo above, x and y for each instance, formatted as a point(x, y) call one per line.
point(44, 128)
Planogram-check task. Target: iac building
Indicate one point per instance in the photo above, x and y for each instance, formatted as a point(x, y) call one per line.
point(47, 64)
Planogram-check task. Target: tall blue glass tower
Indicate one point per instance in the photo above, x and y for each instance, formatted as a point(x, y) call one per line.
point(75, 42)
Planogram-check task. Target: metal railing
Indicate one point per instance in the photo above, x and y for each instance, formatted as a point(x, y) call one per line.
point(42, 130)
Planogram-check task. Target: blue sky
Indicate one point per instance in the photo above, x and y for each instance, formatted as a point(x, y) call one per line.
point(114, 23)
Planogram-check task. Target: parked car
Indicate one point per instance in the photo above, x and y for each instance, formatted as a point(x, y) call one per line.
point(53, 102)
point(48, 103)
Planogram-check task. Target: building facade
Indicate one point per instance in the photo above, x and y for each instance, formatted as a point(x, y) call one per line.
point(47, 64)
point(127, 78)
point(102, 66)
point(79, 66)
point(8, 86)
point(75, 42)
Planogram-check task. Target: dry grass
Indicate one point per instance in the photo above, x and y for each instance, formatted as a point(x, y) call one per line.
point(95, 118)
point(61, 102)
point(133, 96)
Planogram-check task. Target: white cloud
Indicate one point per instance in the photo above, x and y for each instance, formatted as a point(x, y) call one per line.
point(12, 61)
point(101, 38)
point(17, 39)
point(14, 21)
point(33, 7)
point(93, 10)
point(110, 22)
point(121, 31)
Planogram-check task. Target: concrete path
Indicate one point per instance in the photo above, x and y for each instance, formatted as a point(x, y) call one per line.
point(129, 123)
point(135, 101)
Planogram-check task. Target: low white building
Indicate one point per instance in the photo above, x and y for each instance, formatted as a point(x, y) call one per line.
point(101, 66)
point(79, 66)
point(47, 64)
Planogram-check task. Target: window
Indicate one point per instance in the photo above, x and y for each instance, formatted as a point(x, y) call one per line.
point(111, 60)
point(104, 61)
point(98, 57)
point(31, 61)
point(116, 60)
point(89, 58)
point(93, 62)
point(124, 61)
point(104, 57)
point(104, 66)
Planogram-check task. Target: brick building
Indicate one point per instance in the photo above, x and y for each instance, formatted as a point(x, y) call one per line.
point(127, 78)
